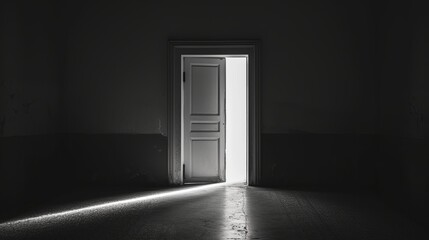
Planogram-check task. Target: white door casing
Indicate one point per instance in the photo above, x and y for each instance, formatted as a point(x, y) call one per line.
point(204, 119)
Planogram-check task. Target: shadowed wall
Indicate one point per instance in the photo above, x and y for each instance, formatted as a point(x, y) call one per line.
point(90, 84)
point(404, 111)
point(317, 76)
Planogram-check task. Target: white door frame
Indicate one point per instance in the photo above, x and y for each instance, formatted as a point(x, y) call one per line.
point(178, 48)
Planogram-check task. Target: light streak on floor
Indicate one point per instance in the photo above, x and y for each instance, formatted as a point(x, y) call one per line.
point(49, 217)
point(223, 211)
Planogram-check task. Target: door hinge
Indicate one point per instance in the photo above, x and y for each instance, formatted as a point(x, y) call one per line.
point(184, 172)
point(184, 79)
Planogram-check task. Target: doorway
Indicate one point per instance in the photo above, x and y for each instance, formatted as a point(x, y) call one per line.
point(203, 122)
point(214, 118)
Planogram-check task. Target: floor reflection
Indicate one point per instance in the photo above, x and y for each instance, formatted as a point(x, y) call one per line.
point(235, 215)
point(227, 211)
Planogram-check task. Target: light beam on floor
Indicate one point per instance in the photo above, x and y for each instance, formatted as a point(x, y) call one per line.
point(98, 208)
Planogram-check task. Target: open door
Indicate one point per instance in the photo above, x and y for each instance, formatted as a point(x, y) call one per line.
point(177, 51)
point(204, 119)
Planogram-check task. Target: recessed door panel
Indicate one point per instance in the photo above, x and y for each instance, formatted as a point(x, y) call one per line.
point(205, 127)
point(204, 119)
point(204, 158)
point(204, 89)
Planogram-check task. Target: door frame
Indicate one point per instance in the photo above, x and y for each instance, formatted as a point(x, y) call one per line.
point(177, 48)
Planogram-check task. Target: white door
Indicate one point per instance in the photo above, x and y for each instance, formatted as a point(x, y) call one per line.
point(204, 119)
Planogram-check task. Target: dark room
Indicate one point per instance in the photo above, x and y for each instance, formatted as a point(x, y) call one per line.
point(227, 119)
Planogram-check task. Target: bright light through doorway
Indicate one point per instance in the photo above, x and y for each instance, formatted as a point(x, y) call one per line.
point(236, 119)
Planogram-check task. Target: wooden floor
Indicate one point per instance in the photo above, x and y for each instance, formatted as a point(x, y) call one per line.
point(222, 212)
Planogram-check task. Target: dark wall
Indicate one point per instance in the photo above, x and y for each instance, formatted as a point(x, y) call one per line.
point(404, 112)
point(101, 71)
point(317, 74)
point(30, 98)
point(317, 69)
point(30, 69)
point(345, 162)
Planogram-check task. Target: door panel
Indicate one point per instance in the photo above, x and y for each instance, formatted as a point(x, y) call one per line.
point(204, 119)
point(204, 126)
point(204, 84)
point(204, 158)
